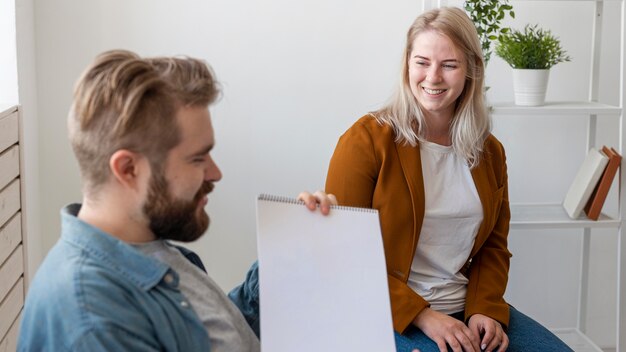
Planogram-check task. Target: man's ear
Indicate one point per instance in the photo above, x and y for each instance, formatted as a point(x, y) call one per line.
point(127, 168)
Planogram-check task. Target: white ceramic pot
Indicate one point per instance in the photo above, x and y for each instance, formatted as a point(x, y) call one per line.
point(530, 86)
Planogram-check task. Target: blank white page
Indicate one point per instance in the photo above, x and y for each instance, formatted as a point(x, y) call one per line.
point(322, 279)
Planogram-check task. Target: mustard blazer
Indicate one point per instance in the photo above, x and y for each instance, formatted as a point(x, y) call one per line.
point(369, 169)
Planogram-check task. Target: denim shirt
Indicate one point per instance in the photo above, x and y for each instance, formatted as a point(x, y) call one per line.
point(94, 292)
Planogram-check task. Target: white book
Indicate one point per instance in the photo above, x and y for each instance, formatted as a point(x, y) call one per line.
point(322, 279)
point(585, 181)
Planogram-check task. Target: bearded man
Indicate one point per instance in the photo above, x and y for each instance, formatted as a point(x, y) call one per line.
point(141, 131)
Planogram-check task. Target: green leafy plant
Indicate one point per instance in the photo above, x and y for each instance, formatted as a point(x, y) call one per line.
point(532, 48)
point(487, 16)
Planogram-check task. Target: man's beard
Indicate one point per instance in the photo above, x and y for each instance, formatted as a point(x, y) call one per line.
point(175, 219)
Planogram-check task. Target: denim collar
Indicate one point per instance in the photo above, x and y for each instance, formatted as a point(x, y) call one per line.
point(117, 255)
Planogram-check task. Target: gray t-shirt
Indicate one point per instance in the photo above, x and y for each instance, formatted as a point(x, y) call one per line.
point(226, 326)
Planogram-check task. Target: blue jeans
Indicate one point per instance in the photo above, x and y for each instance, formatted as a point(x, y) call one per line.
point(524, 334)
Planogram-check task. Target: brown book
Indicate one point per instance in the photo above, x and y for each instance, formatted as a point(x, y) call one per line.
point(596, 201)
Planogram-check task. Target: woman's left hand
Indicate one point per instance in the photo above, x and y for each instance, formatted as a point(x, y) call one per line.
point(311, 200)
point(493, 337)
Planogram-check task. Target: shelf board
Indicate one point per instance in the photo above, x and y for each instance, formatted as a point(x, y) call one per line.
point(556, 108)
point(547, 216)
point(576, 340)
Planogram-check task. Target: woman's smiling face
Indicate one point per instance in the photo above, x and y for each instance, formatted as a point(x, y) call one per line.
point(437, 73)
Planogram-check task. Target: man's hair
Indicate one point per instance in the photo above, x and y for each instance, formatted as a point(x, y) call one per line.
point(192, 79)
point(123, 101)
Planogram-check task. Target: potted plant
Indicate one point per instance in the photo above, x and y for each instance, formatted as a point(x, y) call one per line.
point(487, 16)
point(531, 53)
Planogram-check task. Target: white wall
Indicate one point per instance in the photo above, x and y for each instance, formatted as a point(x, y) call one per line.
point(26, 70)
point(8, 58)
point(295, 76)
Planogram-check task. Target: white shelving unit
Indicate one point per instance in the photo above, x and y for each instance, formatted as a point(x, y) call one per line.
point(553, 216)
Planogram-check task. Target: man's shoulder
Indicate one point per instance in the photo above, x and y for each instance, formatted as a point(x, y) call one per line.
point(73, 294)
point(69, 275)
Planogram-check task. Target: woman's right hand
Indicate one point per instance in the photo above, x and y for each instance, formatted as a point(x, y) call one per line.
point(447, 331)
point(321, 198)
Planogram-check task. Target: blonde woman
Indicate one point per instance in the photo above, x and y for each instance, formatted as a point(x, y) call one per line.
point(428, 162)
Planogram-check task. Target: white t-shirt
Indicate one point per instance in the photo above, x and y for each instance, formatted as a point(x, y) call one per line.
point(451, 220)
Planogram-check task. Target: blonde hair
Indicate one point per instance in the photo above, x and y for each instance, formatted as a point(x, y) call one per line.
point(122, 101)
point(192, 79)
point(471, 124)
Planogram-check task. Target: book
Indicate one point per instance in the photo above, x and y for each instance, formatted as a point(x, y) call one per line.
point(322, 279)
point(598, 196)
point(584, 182)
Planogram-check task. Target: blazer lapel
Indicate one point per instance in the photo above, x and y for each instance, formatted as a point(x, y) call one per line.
point(481, 180)
point(412, 169)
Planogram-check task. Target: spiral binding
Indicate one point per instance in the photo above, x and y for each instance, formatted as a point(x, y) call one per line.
point(290, 200)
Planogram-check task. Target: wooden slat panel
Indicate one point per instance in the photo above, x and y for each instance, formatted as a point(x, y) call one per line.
point(7, 109)
point(11, 271)
point(9, 201)
point(8, 131)
point(10, 236)
point(9, 343)
point(11, 307)
point(9, 165)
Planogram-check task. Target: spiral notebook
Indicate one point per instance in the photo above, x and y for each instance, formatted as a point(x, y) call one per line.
point(322, 279)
